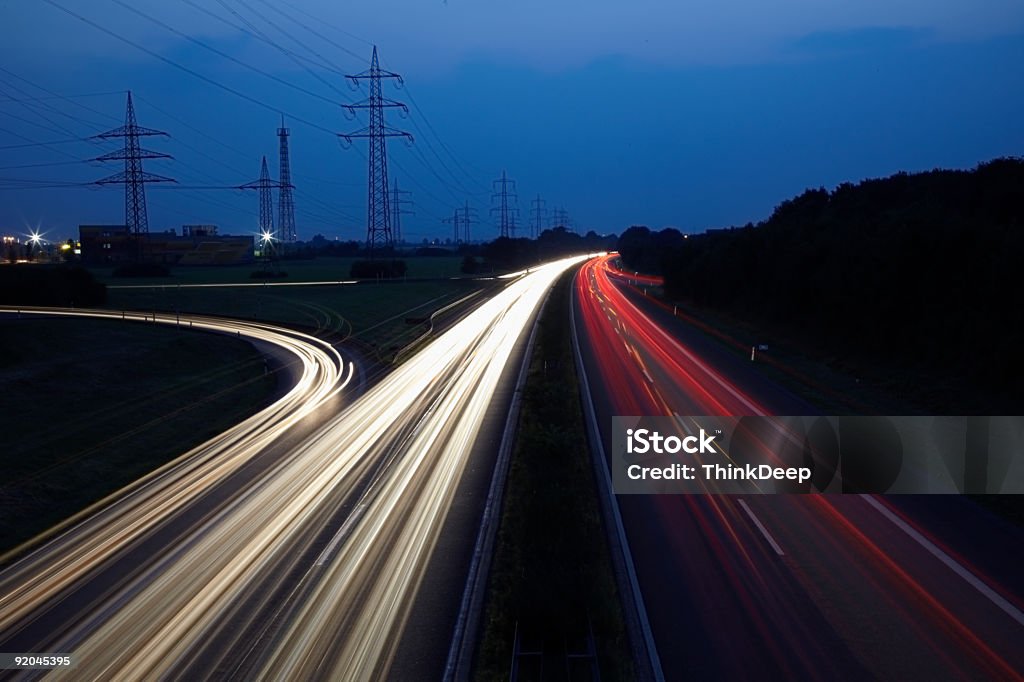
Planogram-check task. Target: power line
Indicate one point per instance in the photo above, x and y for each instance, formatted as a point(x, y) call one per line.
point(419, 158)
point(221, 53)
point(35, 143)
point(316, 33)
point(52, 127)
point(444, 146)
point(42, 144)
point(52, 97)
point(45, 184)
point(191, 127)
point(260, 35)
point(44, 165)
point(35, 107)
point(191, 72)
point(298, 192)
point(71, 99)
point(418, 154)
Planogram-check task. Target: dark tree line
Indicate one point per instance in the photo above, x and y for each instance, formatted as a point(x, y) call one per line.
point(922, 269)
point(505, 253)
point(65, 285)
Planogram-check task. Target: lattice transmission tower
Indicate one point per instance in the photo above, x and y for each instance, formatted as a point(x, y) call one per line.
point(265, 186)
point(285, 200)
point(397, 202)
point(537, 213)
point(455, 220)
point(560, 218)
point(378, 220)
point(133, 177)
point(468, 218)
point(506, 211)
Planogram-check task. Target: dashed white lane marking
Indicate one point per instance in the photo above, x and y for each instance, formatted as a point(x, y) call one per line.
point(760, 527)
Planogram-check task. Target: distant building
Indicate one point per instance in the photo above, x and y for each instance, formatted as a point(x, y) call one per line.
point(197, 245)
point(106, 244)
point(198, 230)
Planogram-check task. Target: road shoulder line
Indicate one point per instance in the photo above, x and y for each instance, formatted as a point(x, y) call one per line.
point(947, 560)
point(622, 559)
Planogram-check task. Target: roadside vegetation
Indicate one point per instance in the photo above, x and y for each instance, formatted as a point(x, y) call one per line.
point(911, 280)
point(49, 285)
point(551, 582)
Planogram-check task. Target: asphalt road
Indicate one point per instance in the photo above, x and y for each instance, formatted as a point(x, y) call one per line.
point(784, 586)
point(294, 550)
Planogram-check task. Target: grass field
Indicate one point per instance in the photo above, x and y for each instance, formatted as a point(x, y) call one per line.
point(87, 406)
point(381, 317)
point(327, 269)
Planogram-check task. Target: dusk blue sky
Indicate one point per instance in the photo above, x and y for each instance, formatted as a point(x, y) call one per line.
point(655, 112)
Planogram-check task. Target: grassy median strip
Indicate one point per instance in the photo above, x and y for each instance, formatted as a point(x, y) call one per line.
point(551, 586)
point(88, 406)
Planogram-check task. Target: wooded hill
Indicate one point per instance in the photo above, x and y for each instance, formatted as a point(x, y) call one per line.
point(923, 269)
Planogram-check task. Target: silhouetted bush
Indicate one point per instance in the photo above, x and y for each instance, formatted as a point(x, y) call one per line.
point(50, 286)
point(373, 269)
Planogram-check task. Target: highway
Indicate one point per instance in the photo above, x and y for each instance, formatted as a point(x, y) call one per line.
point(788, 587)
point(302, 561)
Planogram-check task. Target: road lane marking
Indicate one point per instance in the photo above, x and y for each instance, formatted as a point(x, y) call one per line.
point(760, 527)
point(949, 561)
point(342, 533)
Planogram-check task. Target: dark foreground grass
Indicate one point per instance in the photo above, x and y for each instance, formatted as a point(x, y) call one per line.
point(88, 406)
point(551, 579)
point(330, 269)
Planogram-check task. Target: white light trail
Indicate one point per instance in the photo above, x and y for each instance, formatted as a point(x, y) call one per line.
point(139, 507)
point(413, 432)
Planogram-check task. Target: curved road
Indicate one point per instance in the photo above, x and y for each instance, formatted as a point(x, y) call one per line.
point(301, 563)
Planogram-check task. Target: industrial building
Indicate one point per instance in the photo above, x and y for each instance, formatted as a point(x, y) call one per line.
point(196, 245)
